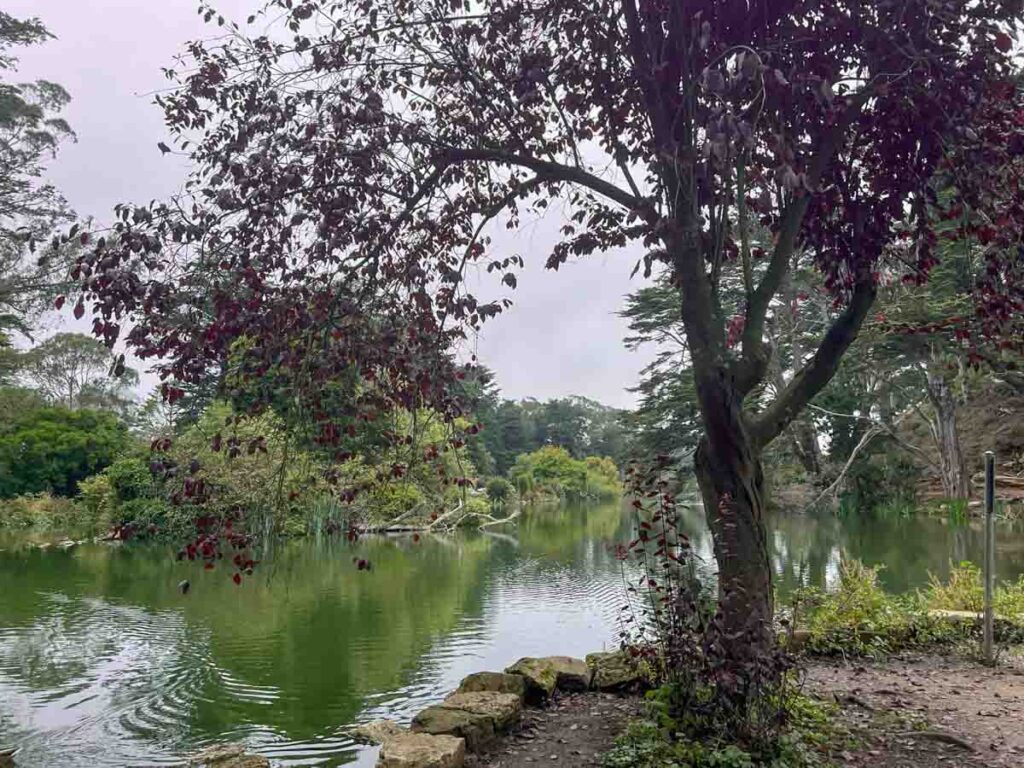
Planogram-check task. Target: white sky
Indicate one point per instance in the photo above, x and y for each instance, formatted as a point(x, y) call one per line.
point(562, 336)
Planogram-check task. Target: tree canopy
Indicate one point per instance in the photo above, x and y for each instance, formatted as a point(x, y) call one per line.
point(351, 166)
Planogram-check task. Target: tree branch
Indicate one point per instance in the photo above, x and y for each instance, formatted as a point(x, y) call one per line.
point(754, 361)
point(819, 370)
point(556, 172)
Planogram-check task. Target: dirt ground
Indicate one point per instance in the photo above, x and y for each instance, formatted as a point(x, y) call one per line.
point(911, 711)
point(919, 711)
point(575, 730)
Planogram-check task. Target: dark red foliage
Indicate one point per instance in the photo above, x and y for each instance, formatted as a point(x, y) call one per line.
point(351, 166)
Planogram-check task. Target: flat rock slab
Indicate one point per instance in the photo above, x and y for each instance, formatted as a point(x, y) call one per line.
point(476, 716)
point(227, 756)
point(496, 682)
point(612, 671)
point(504, 708)
point(421, 750)
point(475, 727)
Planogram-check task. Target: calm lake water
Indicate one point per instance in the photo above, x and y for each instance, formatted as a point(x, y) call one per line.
point(104, 663)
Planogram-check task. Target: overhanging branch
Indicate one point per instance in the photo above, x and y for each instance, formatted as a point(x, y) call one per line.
point(818, 371)
point(555, 172)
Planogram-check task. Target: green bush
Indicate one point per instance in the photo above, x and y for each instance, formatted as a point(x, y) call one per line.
point(885, 480)
point(858, 617)
point(50, 450)
point(499, 490)
point(550, 471)
point(965, 591)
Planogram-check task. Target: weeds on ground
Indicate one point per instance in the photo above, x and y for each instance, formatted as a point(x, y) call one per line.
point(656, 742)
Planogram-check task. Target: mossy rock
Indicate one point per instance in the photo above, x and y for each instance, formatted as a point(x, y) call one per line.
point(496, 682)
point(573, 674)
point(540, 676)
point(612, 671)
point(504, 708)
point(475, 727)
point(421, 750)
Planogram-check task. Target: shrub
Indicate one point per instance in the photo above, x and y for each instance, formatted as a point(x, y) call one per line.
point(551, 471)
point(499, 489)
point(709, 696)
point(653, 742)
point(965, 591)
point(860, 618)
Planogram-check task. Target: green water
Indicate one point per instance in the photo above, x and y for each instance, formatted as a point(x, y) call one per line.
point(104, 663)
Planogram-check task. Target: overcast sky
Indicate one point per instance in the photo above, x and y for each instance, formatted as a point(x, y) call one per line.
point(562, 336)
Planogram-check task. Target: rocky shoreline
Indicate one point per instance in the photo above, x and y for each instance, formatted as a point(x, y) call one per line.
point(489, 705)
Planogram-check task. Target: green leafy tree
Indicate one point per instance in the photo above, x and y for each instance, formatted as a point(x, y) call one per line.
point(75, 371)
point(51, 449)
point(31, 131)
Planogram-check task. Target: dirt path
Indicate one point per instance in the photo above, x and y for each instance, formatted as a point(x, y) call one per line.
point(573, 731)
point(952, 699)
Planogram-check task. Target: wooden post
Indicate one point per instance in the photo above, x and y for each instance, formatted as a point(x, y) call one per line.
point(990, 555)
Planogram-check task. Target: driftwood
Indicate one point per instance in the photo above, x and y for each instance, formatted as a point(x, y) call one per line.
point(447, 521)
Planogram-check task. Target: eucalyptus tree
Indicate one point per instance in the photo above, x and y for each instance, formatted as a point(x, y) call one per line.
point(31, 131)
point(355, 161)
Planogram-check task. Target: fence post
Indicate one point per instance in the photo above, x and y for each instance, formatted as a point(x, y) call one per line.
point(990, 555)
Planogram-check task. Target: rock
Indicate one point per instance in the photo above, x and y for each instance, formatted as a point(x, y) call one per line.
point(612, 671)
point(377, 732)
point(497, 682)
point(573, 674)
point(544, 675)
point(540, 676)
point(475, 727)
point(421, 750)
point(476, 716)
point(504, 708)
point(227, 756)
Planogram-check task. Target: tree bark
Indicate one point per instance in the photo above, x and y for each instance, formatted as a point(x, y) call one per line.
point(731, 480)
point(953, 464)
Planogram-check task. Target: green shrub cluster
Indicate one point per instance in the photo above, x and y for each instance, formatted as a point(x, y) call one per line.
point(551, 472)
point(965, 591)
point(859, 617)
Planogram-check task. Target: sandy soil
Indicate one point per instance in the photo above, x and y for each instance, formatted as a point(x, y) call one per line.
point(917, 710)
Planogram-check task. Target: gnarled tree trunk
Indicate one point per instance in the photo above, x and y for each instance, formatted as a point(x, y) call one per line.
point(731, 480)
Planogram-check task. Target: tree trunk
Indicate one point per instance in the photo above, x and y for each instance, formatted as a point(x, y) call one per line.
point(805, 443)
point(729, 472)
point(955, 481)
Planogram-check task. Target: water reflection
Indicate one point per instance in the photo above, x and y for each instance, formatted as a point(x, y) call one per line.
point(102, 661)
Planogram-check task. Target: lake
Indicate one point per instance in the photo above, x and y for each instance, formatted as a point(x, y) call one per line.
point(104, 663)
